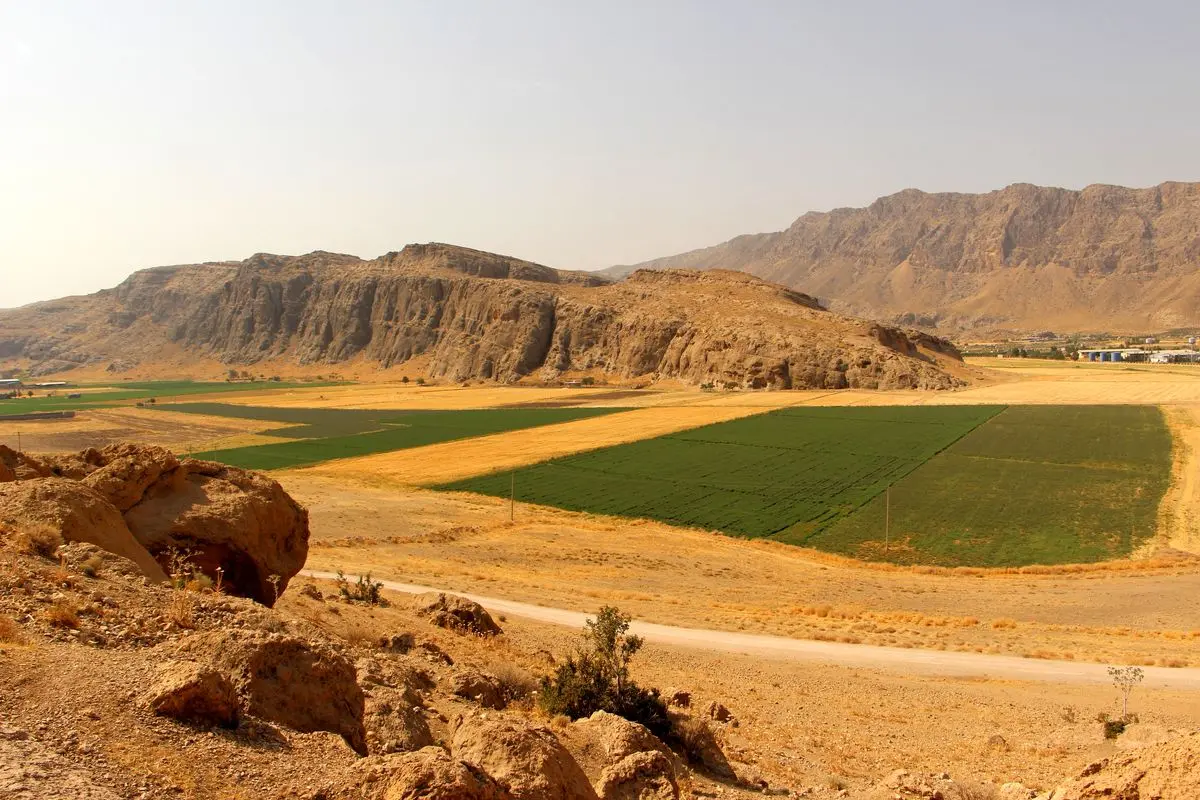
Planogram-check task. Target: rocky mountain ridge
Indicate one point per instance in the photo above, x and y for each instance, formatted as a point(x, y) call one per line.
point(1106, 258)
point(465, 314)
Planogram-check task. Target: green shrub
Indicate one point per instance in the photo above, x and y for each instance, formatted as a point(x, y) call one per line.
point(1113, 728)
point(596, 678)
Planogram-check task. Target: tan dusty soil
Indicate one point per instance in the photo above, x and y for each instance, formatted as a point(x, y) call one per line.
point(1143, 613)
point(1179, 514)
point(802, 724)
point(98, 427)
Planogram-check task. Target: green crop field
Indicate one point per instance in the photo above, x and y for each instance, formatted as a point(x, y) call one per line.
point(134, 390)
point(966, 485)
point(1036, 485)
point(792, 468)
point(314, 435)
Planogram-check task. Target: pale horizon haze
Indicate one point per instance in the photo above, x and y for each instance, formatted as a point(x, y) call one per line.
point(137, 134)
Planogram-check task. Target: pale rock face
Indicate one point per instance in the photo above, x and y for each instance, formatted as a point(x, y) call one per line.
point(144, 504)
point(529, 762)
point(473, 315)
point(1025, 256)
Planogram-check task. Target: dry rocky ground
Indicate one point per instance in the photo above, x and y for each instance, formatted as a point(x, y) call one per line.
point(116, 684)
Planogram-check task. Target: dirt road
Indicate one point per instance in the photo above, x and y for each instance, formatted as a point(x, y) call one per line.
point(905, 660)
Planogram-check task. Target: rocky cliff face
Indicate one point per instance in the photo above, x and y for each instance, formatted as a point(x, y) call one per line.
point(1103, 258)
point(470, 315)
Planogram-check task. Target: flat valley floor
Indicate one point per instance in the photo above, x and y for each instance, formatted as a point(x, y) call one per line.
point(375, 514)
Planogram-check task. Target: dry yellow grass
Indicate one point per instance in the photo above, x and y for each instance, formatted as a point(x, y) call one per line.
point(1126, 610)
point(453, 460)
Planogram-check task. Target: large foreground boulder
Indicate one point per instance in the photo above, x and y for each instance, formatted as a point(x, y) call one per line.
point(284, 679)
point(79, 513)
point(529, 762)
point(633, 763)
point(227, 522)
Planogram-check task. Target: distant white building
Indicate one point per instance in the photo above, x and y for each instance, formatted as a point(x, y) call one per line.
point(9, 383)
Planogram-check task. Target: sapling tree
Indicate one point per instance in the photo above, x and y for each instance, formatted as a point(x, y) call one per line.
point(1125, 679)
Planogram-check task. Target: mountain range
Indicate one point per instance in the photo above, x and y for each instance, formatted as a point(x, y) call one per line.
point(457, 314)
point(1106, 258)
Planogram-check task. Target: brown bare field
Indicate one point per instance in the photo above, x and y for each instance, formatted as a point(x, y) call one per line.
point(1128, 612)
point(101, 426)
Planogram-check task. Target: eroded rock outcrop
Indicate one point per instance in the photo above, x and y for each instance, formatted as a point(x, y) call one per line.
point(1166, 771)
point(304, 685)
point(474, 315)
point(1032, 257)
point(79, 514)
point(145, 504)
point(528, 761)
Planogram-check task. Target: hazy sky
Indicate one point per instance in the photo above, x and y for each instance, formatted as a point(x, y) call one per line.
point(574, 134)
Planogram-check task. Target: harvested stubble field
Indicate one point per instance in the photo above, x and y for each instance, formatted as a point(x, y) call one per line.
point(317, 435)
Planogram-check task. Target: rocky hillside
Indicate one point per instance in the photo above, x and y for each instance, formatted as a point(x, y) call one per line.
point(115, 684)
point(462, 314)
point(1025, 257)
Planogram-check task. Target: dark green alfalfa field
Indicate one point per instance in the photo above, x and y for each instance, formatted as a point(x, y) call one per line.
point(947, 485)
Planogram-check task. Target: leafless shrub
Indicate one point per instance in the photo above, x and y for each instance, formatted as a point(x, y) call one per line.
point(10, 631)
point(38, 540)
point(62, 614)
point(181, 610)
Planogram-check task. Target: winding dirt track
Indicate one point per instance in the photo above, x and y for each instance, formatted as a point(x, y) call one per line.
point(909, 661)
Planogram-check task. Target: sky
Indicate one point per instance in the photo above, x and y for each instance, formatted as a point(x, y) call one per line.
point(578, 135)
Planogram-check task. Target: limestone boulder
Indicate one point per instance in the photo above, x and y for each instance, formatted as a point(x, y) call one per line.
point(456, 613)
point(529, 762)
point(480, 687)
point(394, 723)
point(240, 522)
point(639, 776)
point(426, 774)
point(302, 685)
point(125, 471)
point(15, 466)
point(618, 737)
point(192, 692)
point(79, 513)
point(1165, 771)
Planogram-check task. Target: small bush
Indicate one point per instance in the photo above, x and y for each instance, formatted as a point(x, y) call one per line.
point(364, 590)
point(62, 614)
point(181, 610)
point(518, 684)
point(40, 541)
point(695, 738)
point(1113, 728)
point(596, 678)
point(10, 631)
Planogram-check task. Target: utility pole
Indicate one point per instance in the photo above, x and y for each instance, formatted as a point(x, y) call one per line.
point(19, 450)
point(512, 496)
point(887, 520)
